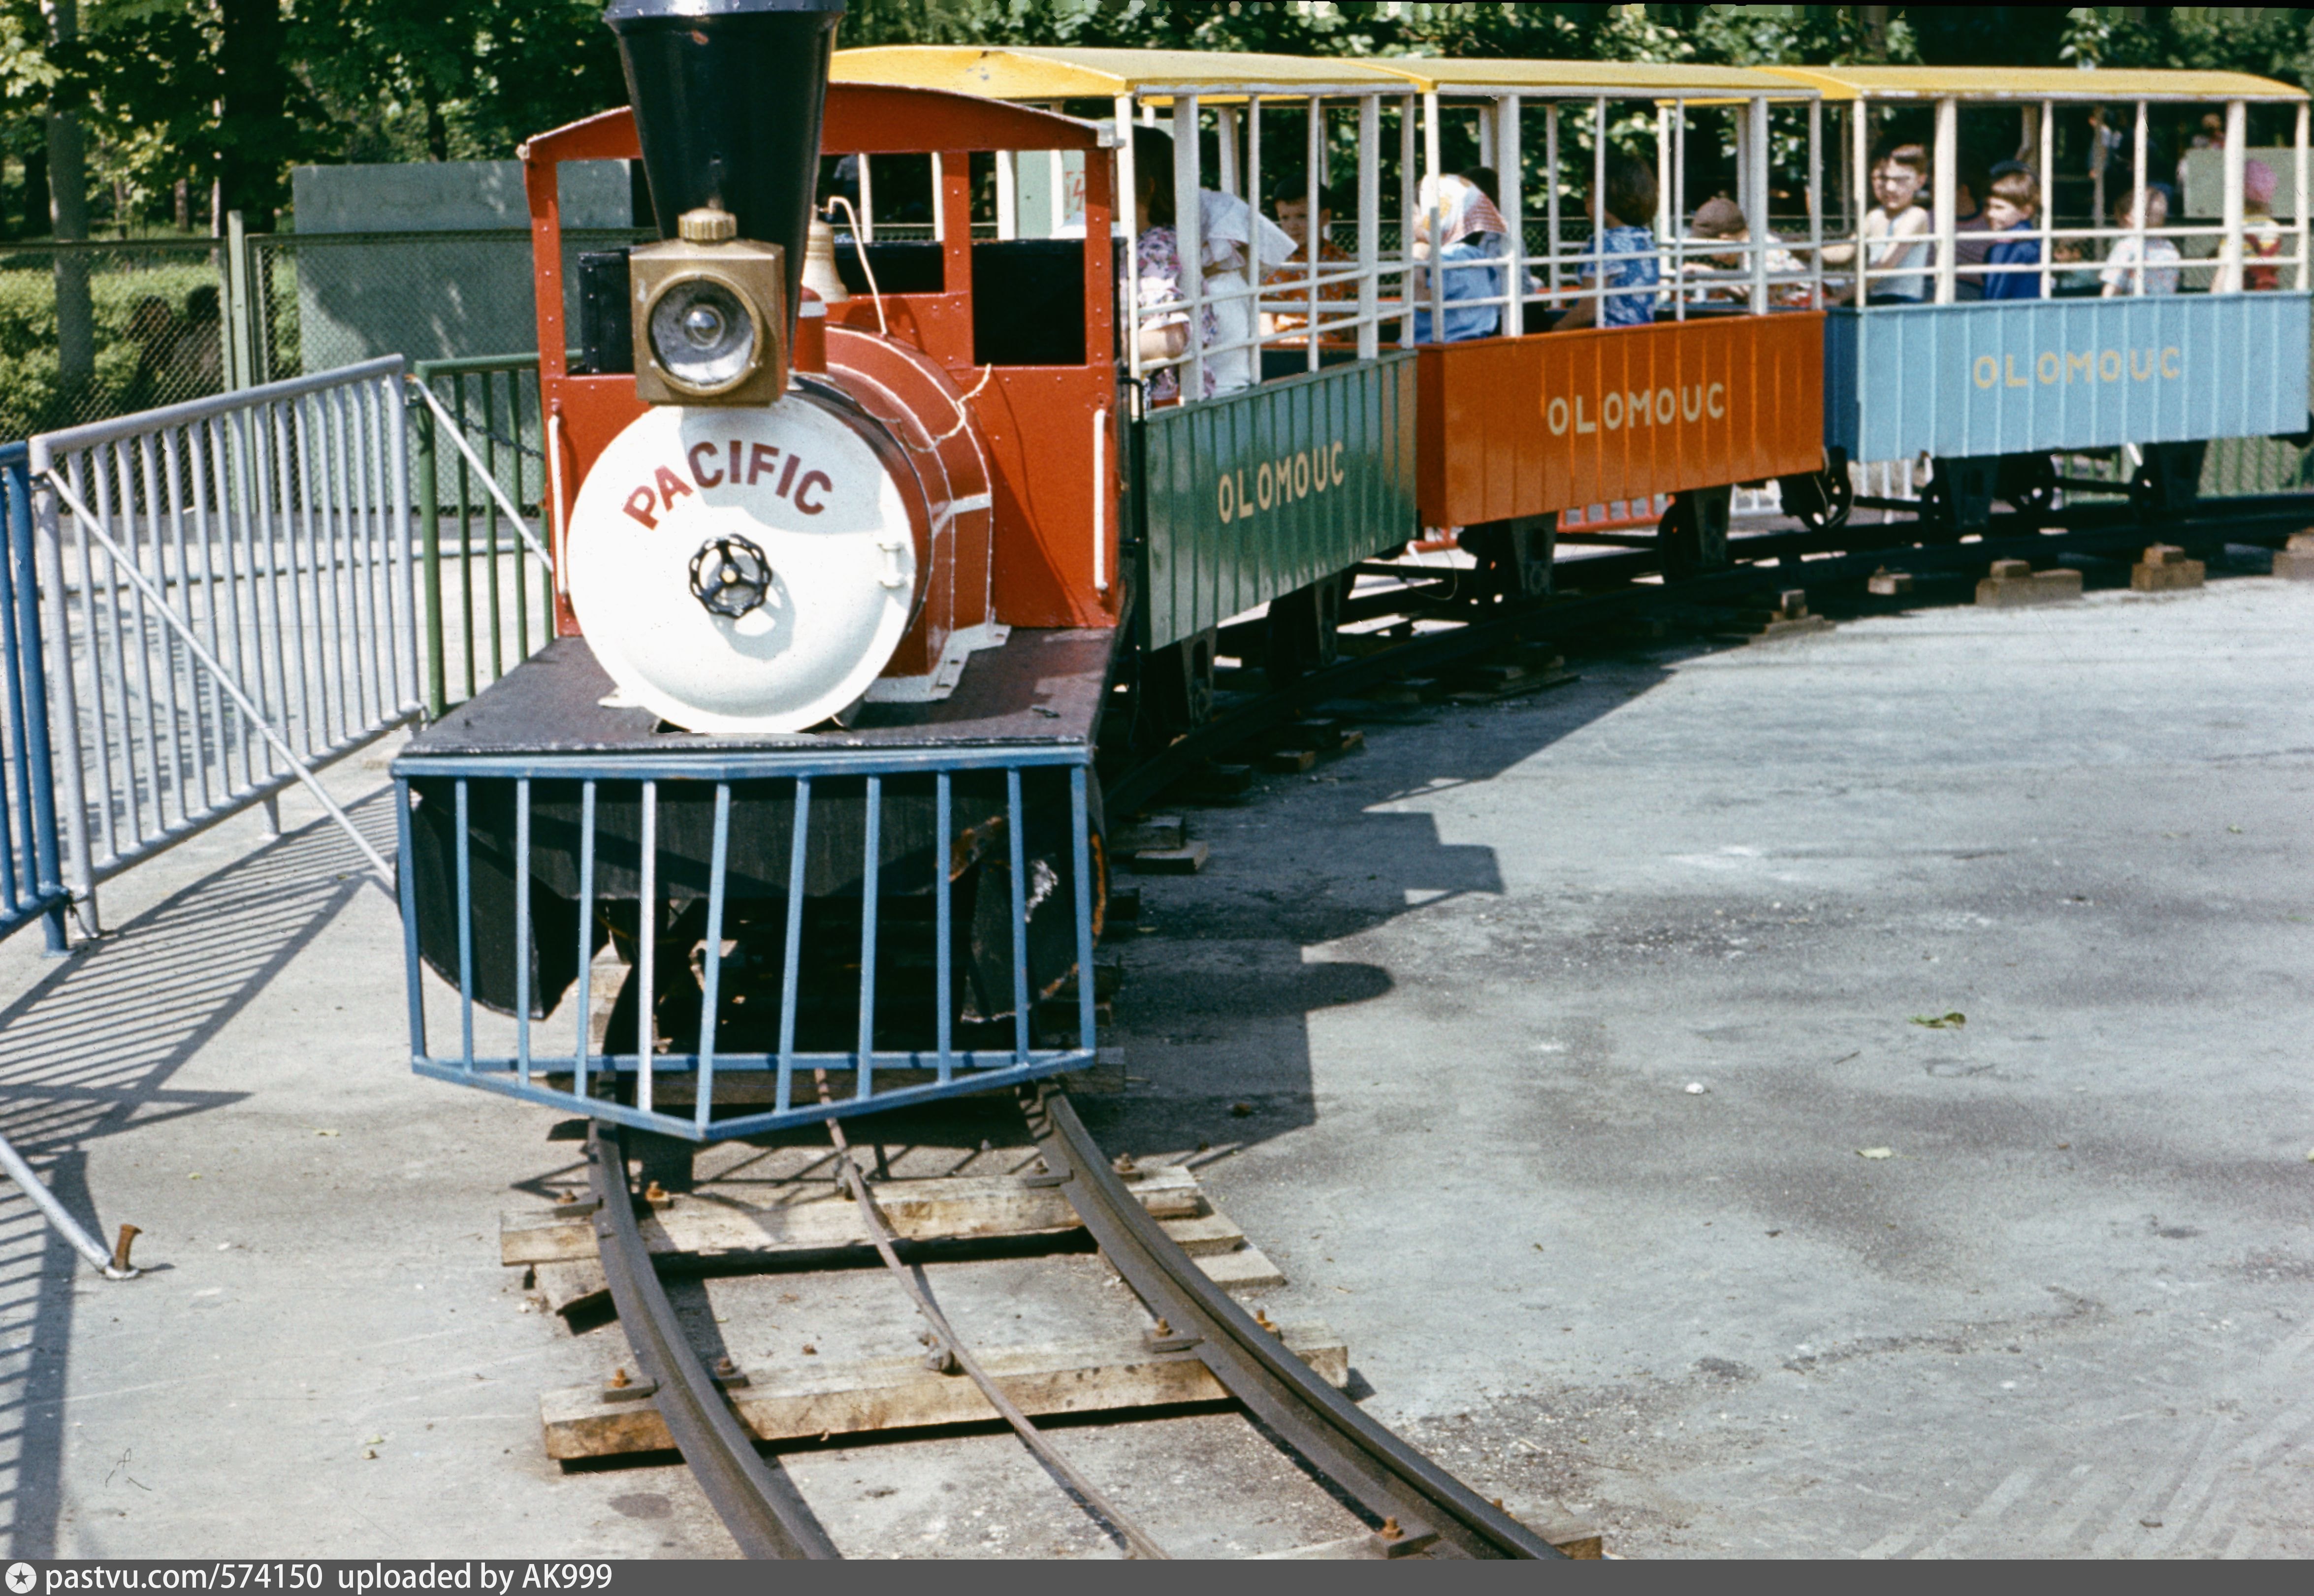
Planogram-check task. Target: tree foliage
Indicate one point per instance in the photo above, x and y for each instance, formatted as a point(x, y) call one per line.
point(468, 79)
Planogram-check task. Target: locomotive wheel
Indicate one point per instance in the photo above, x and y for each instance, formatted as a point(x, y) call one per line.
point(2029, 482)
point(1176, 684)
point(1693, 536)
point(1305, 629)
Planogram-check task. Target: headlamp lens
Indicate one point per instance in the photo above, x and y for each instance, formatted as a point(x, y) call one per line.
point(702, 334)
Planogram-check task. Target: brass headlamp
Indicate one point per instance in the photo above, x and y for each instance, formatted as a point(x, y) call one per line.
point(710, 316)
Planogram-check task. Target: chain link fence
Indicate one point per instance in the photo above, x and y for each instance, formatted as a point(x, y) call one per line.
point(92, 330)
point(321, 300)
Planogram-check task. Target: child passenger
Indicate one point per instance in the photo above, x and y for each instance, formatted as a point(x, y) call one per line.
point(1895, 232)
point(1471, 238)
point(2148, 208)
point(2010, 210)
point(1623, 250)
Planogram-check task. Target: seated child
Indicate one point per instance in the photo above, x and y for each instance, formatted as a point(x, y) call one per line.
point(2150, 208)
point(2010, 210)
point(1625, 251)
point(1470, 240)
point(1725, 279)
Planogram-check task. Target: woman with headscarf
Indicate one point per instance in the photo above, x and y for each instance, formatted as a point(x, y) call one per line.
point(1240, 246)
point(1467, 254)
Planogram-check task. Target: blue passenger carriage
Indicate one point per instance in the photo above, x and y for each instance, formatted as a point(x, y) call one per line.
point(2117, 324)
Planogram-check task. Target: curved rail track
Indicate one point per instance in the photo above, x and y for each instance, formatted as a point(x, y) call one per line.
point(1421, 1507)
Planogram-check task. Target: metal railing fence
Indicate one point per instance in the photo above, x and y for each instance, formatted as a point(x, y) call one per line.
point(733, 972)
point(231, 602)
point(496, 607)
point(32, 884)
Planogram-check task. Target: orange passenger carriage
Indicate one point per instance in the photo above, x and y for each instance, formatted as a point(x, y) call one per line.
point(1711, 378)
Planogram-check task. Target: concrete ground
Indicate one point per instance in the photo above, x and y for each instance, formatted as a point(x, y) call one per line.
point(1439, 1010)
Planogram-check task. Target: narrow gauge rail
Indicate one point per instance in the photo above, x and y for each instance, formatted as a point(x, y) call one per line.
point(1390, 1479)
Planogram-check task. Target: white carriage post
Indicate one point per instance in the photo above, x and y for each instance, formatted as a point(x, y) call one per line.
point(1126, 225)
point(1756, 215)
point(1189, 234)
point(2137, 187)
point(1816, 204)
point(2230, 278)
point(1369, 224)
point(2298, 139)
point(1948, 171)
point(1677, 237)
point(2046, 145)
point(1509, 164)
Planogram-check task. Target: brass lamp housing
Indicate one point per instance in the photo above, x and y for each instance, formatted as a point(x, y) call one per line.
point(754, 274)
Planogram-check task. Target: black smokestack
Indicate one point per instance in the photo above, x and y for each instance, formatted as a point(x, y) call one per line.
point(727, 96)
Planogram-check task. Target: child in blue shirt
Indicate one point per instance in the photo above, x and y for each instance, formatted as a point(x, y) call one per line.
point(1627, 252)
point(2010, 210)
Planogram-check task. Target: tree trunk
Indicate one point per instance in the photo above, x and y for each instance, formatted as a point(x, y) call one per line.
point(36, 190)
point(68, 206)
point(254, 109)
point(437, 132)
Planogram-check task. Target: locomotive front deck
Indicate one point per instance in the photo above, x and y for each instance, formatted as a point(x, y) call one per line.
point(895, 902)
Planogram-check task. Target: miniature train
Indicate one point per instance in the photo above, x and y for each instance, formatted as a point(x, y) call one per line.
point(855, 576)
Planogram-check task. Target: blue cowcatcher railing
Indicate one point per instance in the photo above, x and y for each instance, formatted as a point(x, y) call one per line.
point(32, 885)
point(626, 1077)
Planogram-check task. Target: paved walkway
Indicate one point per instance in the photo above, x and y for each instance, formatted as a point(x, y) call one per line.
point(1447, 1000)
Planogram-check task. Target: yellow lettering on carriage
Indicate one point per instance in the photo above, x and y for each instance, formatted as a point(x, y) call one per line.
point(1580, 424)
point(1278, 483)
point(2053, 366)
point(1715, 403)
point(1554, 416)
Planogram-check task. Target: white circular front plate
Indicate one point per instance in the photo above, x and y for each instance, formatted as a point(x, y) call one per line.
point(803, 489)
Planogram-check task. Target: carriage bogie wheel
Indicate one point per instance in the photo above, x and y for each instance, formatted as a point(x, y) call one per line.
point(1839, 496)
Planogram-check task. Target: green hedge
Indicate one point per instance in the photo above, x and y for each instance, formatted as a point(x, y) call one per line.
point(131, 373)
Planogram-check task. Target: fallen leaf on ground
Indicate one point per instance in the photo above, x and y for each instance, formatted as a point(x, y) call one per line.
point(1938, 1022)
point(1876, 1152)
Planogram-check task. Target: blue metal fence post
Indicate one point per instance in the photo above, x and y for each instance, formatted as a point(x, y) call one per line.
point(40, 889)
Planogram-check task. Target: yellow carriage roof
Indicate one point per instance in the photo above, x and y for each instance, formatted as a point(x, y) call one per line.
point(2033, 82)
point(1636, 80)
point(1011, 72)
